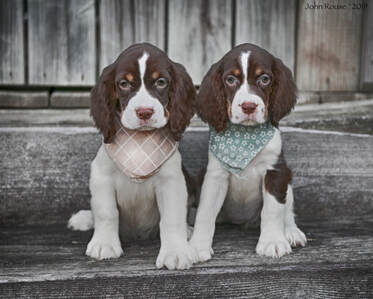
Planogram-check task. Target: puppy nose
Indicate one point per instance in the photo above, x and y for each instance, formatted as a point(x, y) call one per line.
point(248, 107)
point(144, 113)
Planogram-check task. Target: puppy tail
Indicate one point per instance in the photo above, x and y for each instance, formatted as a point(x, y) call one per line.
point(83, 220)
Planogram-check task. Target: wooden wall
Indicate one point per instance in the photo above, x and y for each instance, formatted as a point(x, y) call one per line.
point(68, 42)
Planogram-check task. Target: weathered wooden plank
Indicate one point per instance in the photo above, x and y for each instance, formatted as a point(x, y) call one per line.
point(12, 68)
point(328, 49)
point(199, 33)
point(336, 262)
point(269, 24)
point(19, 99)
point(124, 22)
point(45, 172)
point(61, 39)
point(366, 72)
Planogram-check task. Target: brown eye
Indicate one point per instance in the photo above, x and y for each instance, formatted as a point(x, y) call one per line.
point(161, 83)
point(231, 80)
point(124, 85)
point(264, 80)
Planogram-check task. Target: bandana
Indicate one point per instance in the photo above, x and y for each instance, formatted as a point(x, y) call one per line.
point(140, 154)
point(237, 145)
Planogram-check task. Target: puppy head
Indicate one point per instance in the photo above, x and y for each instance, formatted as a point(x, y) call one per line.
point(248, 86)
point(146, 90)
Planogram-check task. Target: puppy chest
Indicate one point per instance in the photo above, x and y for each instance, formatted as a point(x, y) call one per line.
point(137, 207)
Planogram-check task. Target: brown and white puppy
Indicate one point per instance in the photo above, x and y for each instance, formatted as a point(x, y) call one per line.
point(145, 90)
point(248, 86)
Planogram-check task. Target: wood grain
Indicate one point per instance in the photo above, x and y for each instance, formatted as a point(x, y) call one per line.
point(335, 263)
point(268, 24)
point(124, 22)
point(366, 72)
point(12, 64)
point(328, 55)
point(62, 42)
point(199, 33)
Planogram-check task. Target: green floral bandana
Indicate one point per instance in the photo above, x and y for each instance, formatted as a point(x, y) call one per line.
point(237, 145)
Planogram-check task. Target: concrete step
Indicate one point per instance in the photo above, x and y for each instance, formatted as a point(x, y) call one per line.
point(49, 261)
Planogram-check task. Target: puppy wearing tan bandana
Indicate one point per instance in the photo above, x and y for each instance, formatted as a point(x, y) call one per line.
point(141, 104)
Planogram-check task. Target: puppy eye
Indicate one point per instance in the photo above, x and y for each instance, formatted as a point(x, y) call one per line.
point(264, 80)
point(161, 83)
point(124, 85)
point(231, 80)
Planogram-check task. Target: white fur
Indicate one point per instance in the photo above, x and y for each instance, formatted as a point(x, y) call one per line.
point(239, 201)
point(121, 207)
point(83, 221)
point(143, 99)
point(244, 94)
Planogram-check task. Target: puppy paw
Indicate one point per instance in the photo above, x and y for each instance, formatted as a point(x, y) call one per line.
point(83, 221)
point(104, 248)
point(204, 252)
point(175, 258)
point(295, 236)
point(273, 246)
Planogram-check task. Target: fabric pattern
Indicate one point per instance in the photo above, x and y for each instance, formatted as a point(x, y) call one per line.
point(237, 145)
point(140, 154)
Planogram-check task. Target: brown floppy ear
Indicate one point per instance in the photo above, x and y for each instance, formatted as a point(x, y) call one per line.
point(211, 99)
point(284, 92)
point(103, 104)
point(181, 104)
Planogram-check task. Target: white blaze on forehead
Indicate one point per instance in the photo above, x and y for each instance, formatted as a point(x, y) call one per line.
point(142, 65)
point(144, 99)
point(244, 62)
point(244, 94)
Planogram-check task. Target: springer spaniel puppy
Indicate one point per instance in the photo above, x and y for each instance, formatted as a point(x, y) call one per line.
point(145, 99)
point(242, 98)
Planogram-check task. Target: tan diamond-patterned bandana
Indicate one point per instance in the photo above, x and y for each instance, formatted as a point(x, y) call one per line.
point(140, 154)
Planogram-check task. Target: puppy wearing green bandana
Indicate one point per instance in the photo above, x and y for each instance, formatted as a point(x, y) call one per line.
point(242, 98)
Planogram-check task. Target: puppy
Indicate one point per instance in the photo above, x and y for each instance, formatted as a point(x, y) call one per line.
point(242, 98)
point(141, 104)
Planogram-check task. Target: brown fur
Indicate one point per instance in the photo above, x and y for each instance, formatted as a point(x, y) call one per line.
point(178, 101)
point(276, 180)
point(214, 97)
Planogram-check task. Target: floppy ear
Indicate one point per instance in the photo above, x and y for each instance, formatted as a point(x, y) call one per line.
point(211, 99)
point(103, 104)
point(181, 104)
point(284, 93)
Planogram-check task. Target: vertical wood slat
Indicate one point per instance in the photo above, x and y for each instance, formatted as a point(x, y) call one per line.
point(62, 42)
point(12, 68)
point(199, 33)
point(366, 71)
point(328, 47)
point(124, 22)
point(268, 24)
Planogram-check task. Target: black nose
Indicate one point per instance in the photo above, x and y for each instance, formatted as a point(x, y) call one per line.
point(248, 107)
point(144, 113)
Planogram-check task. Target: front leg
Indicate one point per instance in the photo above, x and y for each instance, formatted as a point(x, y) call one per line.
point(272, 241)
point(214, 191)
point(105, 242)
point(172, 196)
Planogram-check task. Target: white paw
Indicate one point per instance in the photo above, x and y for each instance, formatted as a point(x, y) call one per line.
point(83, 220)
point(295, 236)
point(180, 257)
point(204, 252)
point(104, 248)
point(273, 246)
